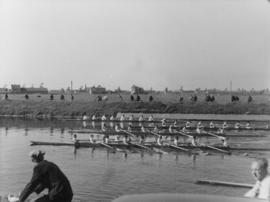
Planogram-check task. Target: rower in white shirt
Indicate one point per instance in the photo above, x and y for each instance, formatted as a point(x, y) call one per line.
point(129, 128)
point(156, 130)
point(103, 127)
point(211, 125)
point(106, 139)
point(91, 138)
point(194, 141)
point(122, 118)
point(171, 129)
point(237, 125)
point(93, 117)
point(248, 125)
point(112, 118)
point(159, 140)
point(199, 125)
point(175, 124)
point(151, 118)
point(116, 128)
point(103, 118)
point(143, 129)
point(131, 118)
point(140, 118)
point(188, 124)
point(225, 125)
point(175, 141)
point(163, 122)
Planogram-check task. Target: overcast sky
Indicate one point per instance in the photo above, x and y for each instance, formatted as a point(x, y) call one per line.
point(151, 43)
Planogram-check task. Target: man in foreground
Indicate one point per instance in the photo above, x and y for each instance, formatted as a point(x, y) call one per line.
point(259, 171)
point(47, 175)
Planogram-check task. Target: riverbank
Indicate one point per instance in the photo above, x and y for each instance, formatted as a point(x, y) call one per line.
point(76, 109)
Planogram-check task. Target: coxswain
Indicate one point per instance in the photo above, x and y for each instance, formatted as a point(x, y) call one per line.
point(122, 118)
point(237, 125)
point(163, 122)
point(93, 117)
point(91, 139)
point(159, 140)
point(112, 118)
point(225, 125)
point(156, 130)
point(140, 118)
point(211, 125)
point(116, 128)
point(129, 128)
point(188, 124)
point(103, 118)
point(151, 118)
point(175, 140)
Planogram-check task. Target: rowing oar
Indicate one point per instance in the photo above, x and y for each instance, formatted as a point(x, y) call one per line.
point(212, 134)
point(222, 183)
point(128, 133)
point(112, 148)
point(215, 148)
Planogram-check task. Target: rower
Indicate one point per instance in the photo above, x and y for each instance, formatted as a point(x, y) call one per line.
point(184, 129)
point(112, 118)
point(116, 128)
point(159, 140)
point(198, 130)
point(220, 131)
point(74, 138)
point(225, 125)
point(131, 117)
point(106, 139)
point(103, 118)
point(199, 125)
point(141, 139)
point(237, 125)
point(188, 124)
point(175, 141)
point(85, 117)
point(143, 129)
point(175, 124)
point(212, 125)
point(103, 127)
point(163, 122)
point(248, 125)
point(125, 139)
point(91, 139)
point(129, 128)
point(224, 142)
point(194, 141)
point(156, 130)
point(116, 138)
point(122, 118)
point(171, 129)
point(94, 117)
point(140, 118)
point(151, 118)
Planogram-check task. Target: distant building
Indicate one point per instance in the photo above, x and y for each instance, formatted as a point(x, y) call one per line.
point(15, 88)
point(137, 90)
point(97, 90)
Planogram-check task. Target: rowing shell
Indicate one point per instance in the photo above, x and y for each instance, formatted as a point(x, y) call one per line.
point(203, 134)
point(150, 145)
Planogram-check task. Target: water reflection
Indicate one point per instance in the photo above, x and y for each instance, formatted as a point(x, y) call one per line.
point(26, 131)
point(93, 124)
point(6, 130)
point(51, 131)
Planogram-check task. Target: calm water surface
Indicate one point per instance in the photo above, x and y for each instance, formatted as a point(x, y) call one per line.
point(98, 175)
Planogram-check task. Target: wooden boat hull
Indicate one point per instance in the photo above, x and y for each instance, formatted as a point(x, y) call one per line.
point(137, 133)
point(174, 197)
point(150, 145)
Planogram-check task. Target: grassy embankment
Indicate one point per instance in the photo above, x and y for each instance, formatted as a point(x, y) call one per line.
point(38, 106)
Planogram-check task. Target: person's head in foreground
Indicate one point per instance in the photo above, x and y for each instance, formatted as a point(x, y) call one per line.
point(259, 168)
point(37, 156)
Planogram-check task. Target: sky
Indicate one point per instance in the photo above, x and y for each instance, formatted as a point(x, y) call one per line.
point(150, 43)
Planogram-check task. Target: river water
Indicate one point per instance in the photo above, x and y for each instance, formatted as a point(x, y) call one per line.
point(99, 175)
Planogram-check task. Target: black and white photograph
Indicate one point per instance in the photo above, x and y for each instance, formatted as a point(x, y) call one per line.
point(134, 100)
